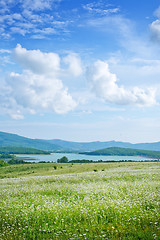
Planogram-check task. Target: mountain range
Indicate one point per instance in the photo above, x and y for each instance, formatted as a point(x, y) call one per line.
point(57, 145)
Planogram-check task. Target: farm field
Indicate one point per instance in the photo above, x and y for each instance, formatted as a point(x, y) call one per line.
point(80, 201)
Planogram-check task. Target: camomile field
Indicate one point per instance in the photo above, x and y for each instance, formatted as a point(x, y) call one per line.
point(80, 201)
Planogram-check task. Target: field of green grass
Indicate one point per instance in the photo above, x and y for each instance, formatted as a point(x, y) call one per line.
point(80, 201)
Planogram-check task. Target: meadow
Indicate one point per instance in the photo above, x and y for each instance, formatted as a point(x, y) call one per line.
point(80, 201)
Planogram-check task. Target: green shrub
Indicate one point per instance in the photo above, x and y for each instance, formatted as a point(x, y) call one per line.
point(3, 163)
point(15, 161)
point(63, 160)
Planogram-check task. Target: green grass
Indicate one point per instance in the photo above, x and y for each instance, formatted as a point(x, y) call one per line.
point(43, 169)
point(117, 201)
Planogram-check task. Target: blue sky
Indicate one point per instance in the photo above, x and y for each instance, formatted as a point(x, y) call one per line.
point(80, 70)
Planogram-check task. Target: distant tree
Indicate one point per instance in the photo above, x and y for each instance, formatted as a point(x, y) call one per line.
point(63, 160)
point(81, 161)
point(3, 163)
point(16, 161)
point(6, 156)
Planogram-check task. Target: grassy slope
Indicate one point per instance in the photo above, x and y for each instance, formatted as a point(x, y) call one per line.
point(74, 202)
point(44, 169)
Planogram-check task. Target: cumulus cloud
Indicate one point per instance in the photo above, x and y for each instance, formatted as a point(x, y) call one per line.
point(105, 85)
point(74, 63)
point(157, 12)
point(7, 103)
point(37, 61)
point(155, 30)
point(155, 26)
point(40, 93)
point(38, 88)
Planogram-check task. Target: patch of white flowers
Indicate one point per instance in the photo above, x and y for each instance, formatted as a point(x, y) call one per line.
point(96, 205)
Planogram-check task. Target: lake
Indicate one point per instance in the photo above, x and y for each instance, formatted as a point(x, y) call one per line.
point(73, 156)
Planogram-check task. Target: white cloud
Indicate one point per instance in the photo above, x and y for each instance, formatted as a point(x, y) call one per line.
point(74, 63)
point(157, 12)
point(16, 114)
point(136, 70)
point(34, 5)
point(37, 61)
point(18, 30)
point(5, 5)
point(124, 32)
point(104, 85)
point(100, 8)
point(155, 26)
point(32, 17)
point(8, 104)
point(155, 30)
point(38, 5)
point(44, 32)
point(5, 51)
point(38, 36)
point(38, 88)
point(5, 57)
point(40, 93)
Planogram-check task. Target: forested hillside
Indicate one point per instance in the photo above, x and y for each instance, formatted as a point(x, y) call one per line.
point(21, 150)
point(115, 151)
point(14, 140)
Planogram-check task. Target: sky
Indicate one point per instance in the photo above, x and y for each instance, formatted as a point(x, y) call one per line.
point(80, 70)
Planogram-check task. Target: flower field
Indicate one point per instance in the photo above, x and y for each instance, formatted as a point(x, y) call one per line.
point(100, 201)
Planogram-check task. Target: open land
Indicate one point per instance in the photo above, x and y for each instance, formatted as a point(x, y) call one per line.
point(80, 201)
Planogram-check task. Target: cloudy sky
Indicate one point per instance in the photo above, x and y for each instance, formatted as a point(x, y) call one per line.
point(80, 70)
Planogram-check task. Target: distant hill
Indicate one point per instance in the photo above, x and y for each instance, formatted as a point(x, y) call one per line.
point(116, 151)
point(14, 140)
point(57, 145)
point(21, 150)
point(91, 146)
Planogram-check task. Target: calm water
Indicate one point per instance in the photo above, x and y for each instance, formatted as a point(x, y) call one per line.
point(72, 156)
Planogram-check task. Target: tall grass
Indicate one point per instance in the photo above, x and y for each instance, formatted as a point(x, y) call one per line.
point(117, 203)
